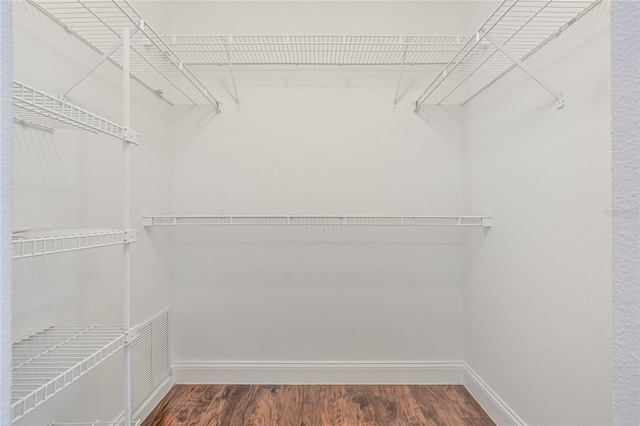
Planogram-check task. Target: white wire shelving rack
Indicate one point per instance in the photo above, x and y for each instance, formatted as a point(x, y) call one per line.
point(34, 107)
point(52, 359)
point(309, 220)
point(326, 50)
point(153, 63)
point(46, 362)
point(32, 243)
point(513, 32)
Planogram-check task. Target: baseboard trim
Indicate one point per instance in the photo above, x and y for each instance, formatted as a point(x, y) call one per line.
point(495, 406)
point(153, 400)
point(427, 373)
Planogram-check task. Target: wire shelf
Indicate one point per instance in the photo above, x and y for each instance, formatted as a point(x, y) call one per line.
point(521, 26)
point(46, 362)
point(333, 50)
point(99, 24)
point(222, 220)
point(34, 107)
point(41, 242)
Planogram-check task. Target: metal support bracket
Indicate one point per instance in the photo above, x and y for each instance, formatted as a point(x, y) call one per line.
point(130, 236)
point(487, 221)
point(131, 136)
point(233, 80)
point(105, 56)
point(556, 94)
point(404, 59)
point(147, 221)
point(130, 335)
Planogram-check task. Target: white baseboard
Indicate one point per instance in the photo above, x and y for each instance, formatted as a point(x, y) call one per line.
point(497, 409)
point(153, 400)
point(318, 372)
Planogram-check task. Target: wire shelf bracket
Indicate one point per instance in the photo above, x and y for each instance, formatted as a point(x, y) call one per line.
point(514, 31)
point(44, 242)
point(309, 220)
point(46, 362)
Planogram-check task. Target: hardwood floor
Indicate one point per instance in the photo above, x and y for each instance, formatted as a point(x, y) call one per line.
point(318, 405)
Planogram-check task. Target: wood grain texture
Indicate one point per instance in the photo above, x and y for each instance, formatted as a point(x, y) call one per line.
point(318, 405)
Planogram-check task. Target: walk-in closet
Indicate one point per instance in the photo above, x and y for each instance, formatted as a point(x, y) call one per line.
point(309, 213)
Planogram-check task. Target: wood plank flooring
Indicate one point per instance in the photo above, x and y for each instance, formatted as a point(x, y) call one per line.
point(318, 405)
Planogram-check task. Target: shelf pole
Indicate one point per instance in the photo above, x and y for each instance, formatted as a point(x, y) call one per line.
point(126, 93)
point(526, 69)
point(106, 55)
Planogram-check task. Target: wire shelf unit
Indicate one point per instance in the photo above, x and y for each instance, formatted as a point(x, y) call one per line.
point(332, 50)
point(37, 108)
point(41, 242)
point(520, 26)
point(153, 63)
point(222, 220)
point(46, 362)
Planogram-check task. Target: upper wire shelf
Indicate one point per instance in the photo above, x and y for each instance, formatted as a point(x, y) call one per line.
point(222, 220)
point(46, 362)
point(332, 50)
point(37, 108)
point(521, 27)
point(99, 24)
point(41, 242)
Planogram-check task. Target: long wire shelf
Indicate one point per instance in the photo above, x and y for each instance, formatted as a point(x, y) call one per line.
point(42, 242)
point(224, 220)
point(521, 26)
point(332, 50)
point(46, 362)
point(99, 25)
point(37, 108)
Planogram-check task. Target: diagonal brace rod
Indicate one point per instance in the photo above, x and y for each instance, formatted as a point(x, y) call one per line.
point(526, 69)
point(105, 56)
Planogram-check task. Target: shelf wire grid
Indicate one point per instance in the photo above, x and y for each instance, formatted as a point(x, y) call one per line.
point(49, 360)
point(42, 242)
point(521, 26)
point(99, 24)
point(35, 107)
point(331, 50)
point(163, 220)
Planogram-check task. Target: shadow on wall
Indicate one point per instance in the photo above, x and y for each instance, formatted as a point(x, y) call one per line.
point(317, 253)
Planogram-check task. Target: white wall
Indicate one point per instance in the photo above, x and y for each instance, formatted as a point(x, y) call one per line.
point(74, 179)
point(5, 211)
point(625, 56)
point(538, 296)
point(317, 142)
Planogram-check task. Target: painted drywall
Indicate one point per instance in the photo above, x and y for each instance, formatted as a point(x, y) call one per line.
point(316, 142)
point(74, 179)
point(5, 210)
point(625, 56)
point(538, 316)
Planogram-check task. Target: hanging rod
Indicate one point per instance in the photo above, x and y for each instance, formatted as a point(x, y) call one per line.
point(327, 49)
point(311, 220)
point(516, 30)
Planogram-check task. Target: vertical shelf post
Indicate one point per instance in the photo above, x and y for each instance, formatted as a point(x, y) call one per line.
point(126, 92)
